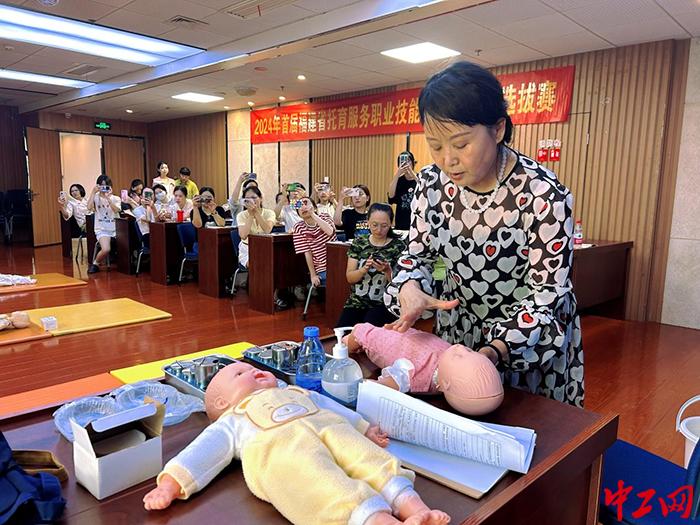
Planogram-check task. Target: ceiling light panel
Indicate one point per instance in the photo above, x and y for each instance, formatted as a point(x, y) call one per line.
point(81, 37)
point(43, 79)
point(419, 53)
point(197, 97)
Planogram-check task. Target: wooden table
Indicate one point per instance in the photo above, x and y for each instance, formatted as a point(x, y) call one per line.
point(127, 243)
point(599, 277)
point(272, 265)
point(166, 252)
point(337, 286)
point(216, 260)
point(561, 487)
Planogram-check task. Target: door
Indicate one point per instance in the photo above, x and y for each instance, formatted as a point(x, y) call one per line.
point(124, 160)
point(44, 161)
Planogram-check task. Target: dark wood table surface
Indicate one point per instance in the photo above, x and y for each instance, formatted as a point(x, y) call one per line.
point(216, 260)
point(127, 243)
point(272, 265)
point(599, 277)
point(166, 252)
point(561, 487)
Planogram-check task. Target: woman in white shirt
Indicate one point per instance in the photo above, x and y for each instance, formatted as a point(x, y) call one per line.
point(163, 179)
point(74, 205)
point(179, 202)
point(294, 192)
point(106, 207)
point(254, 219)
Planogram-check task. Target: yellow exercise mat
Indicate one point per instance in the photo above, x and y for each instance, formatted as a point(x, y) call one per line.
point(154, 370)
point(15, 336)
point(74, 318)
point(44, 281)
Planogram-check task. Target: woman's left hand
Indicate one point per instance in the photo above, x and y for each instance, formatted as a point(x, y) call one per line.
point(414, 302)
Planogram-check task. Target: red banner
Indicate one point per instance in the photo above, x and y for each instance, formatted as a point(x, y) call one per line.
point(380, 114)
point(540, 96)
point(533, 97)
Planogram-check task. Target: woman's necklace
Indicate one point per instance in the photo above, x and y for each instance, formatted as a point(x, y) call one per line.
point(499, 178)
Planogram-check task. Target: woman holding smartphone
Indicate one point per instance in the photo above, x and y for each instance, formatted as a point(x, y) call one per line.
point(353, 220)
point(371, 259)
point(205, 209)
point(74, 204)
point(402, 188)
point(253, 219)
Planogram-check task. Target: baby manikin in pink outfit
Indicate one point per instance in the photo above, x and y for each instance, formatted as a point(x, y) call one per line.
point(420, 362)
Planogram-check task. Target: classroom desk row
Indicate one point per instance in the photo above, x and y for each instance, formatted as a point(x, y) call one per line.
point(599, 273)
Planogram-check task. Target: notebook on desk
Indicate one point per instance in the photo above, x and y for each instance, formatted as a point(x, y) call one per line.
point(465, 455)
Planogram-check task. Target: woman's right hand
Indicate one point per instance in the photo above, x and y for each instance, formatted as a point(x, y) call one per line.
point(62, 200)
point(196, 201)
point(413, 302)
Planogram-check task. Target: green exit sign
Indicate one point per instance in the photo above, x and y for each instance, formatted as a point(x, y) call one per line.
point(103, 125)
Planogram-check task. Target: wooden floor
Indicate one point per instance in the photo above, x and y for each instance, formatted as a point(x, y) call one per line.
point(642, 371)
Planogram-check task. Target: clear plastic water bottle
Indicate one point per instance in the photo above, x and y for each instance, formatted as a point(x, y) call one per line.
point(310, 360)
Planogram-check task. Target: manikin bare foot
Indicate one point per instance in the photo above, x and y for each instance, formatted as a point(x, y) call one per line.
point(413, 511)
point(428, 517)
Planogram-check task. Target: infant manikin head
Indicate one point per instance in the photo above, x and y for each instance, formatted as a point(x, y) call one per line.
point(232, 384)
point(469, 380)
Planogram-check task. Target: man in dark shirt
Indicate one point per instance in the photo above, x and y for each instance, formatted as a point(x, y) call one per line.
point(401, 190)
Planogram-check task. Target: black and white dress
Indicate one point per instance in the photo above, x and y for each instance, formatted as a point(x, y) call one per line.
point(510, 268)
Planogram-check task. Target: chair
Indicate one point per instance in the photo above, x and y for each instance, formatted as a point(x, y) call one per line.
point(143, 250)
point(308, 300)
point(17, 206)
point(643, 471)
point(188, 238)
point(236, 240)
point(278, 229)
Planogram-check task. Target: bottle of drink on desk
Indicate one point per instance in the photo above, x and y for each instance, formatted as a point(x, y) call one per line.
point(310, 360)
point(578, 234)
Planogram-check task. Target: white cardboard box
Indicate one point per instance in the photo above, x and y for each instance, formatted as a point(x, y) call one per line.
point(104, 475)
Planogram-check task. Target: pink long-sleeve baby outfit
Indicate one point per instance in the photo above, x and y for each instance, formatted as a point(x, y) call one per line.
point(384, 347)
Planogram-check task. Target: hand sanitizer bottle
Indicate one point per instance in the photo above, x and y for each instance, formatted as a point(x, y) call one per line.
point(341, 375)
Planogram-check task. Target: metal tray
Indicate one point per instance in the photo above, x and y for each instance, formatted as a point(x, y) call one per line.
point(193, 376)
point(262, 357)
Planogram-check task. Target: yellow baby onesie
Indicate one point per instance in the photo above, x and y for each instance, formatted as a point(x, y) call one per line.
point(310, 463)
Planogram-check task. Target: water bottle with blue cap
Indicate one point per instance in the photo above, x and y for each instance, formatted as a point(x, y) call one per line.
point(310, 360)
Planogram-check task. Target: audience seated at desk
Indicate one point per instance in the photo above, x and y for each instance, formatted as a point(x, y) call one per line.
point(133, 198)
point(371, 259)
point(325, 199)
point(254, 219)
point(311, 235)
point(74, 205)
point(106, 207)
point(286, 210)
point(181, 203)
point(206, 211)
point(235, 201)
point(353, 220)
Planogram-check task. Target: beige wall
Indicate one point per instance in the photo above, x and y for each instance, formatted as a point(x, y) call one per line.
point(682, 291)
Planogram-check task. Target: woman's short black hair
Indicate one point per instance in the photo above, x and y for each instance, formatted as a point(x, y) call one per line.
point(207, 188)
point(250, 182)
point(366, 190)
point(182, 189)
point(467, 94)
point(185, 171)
point(385, 208)
point(80, 189)
point(160, 163)
point(159, 187)
point(254, 189)
point(104, 180)
point(136, 182)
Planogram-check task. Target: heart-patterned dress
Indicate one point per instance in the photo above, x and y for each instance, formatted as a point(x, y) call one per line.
point(510, 268)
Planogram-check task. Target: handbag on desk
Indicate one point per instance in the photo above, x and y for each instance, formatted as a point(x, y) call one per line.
point(25, 498)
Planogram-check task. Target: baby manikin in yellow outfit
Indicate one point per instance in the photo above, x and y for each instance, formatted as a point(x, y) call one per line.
point(300, 451)
point(280, 435)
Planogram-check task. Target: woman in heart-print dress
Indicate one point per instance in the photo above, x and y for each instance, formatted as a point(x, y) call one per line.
point(503, 226)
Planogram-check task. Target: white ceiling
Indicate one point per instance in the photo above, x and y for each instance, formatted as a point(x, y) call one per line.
point(500, 32)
